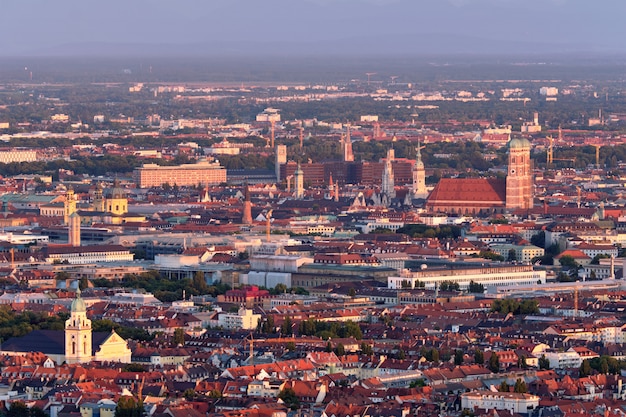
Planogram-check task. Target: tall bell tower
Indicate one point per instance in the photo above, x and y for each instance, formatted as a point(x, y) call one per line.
point(519, 182)
point(78, 333)
point(419, 176)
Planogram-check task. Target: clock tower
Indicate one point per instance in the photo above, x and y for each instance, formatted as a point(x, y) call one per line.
point(519, 183)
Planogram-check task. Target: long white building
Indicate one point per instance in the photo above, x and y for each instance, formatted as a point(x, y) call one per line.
point(509, 401)
point(490, 276)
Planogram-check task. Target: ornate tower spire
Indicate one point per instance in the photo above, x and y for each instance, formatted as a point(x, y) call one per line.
point(419, 175)
point(299, 182)
point(388, 182)
point(247, 206)
point(78, 333)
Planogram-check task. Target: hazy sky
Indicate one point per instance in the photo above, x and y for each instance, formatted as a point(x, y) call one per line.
point(46, 27)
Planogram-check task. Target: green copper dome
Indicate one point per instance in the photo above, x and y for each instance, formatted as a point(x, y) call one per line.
point(78, 305)
point(519, 143)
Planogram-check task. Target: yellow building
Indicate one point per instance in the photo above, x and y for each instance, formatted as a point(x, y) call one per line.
point(115, 201)
point(76, 344)
point(69, 206)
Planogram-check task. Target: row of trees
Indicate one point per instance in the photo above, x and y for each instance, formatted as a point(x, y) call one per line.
point(327, 330)
point(604, 364)
point(165, 289)
point(14, 324)
point(510, 305)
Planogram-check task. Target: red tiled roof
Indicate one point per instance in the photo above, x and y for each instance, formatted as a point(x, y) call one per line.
point(488, 191)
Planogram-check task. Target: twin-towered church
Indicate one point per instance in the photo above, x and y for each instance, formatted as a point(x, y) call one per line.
point(488, 195)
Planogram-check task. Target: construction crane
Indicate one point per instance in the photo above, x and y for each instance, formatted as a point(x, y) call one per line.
point(550, 154)
point(369, 74)
point(597, 155)
point(268, 223)
point(393, 79)
point(289, 178)
point(272, 137)
point(251, 340)
point(301, 136)
point(579, 197)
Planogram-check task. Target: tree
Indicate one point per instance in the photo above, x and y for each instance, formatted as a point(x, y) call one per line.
point(520, 386)
point(83, 283)
point(512, 255)
point(62, 276)
point(449, 286)
point(494, 363)
point(286, 328)
point(563, 277)
point(417, 383)
point(134, 367)
point(491, 255)
point(544, 363)
point(604, 366)
point(267, 325)
point(568, 262)
point(329, 347)
point(179, 337)
point(458, 357)
point(434, 355)
point(596, 259)
point(585, 369)
point(189, 394)
point(504, 387)
point(289, 397)
point(366, 349)
point(476, 287)
point(508, 305)
point(340, 350)
point(127, 406)
point(199, 282)
point(479, 357)
point(352, 292)
point(539, 239)
point(215, 394)
point(521, 362)
point(290, 346)
point(280, 288)
point(18, 409)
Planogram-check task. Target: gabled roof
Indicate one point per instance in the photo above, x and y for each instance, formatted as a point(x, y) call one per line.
point(489, 191)
point(50, 342)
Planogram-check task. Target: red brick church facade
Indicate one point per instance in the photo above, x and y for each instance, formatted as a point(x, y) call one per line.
point(488, 195)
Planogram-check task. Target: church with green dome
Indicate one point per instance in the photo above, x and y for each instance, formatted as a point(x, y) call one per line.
point(76, 344)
